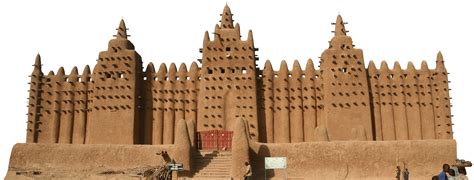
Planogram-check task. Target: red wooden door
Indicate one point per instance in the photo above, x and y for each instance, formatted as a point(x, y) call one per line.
point(215, 140)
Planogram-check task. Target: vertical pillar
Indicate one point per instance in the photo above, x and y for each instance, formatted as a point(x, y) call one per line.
point(386, 109)
point(412, 103)
point(268, 100)
point(282, 114)
point(158, 120)
point(79, 130)
point(426, 102)
point(398, 103)
point(309, 101)
point(375, 95)
point(169, 114)
point(296, 104)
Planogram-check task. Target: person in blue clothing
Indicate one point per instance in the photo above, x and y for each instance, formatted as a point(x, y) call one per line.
point(443, 174)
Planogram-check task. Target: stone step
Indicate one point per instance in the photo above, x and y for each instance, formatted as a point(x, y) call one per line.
point(212, 160)
point(213, 169)
point(209, 178)
point(210, 174)
point(207, 158)
point(221, 166)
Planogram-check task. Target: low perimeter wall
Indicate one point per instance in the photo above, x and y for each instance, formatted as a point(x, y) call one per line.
point(94, 161)
point(354, 159)
point(316, 160)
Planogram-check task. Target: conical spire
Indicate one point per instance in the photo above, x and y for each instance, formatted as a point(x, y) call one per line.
point(310, 67)
point(206, 39)
point(250, 36)
point(74, 75)
point(60, 72)
point(411, 67)
point(38, 61)
point(172, 72)
point(424, 67)
point(268, 69)
point(397, 69)
point(86, 73)
point(150, 70)
point(37, 65)
point(226, 20)
point(296, 71)
point(283, 71)
point(182, 72)
point(122, 30)
point(162, 71)
point(371, 68)
point(193, 71)
point(440, 62)
point(384, 68)
point(339, 30)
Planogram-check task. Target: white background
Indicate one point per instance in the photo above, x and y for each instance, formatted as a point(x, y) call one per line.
point(68, 33)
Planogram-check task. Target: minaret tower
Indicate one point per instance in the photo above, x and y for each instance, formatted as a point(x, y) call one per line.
point(347, 106)
point(34, 102)
point(116, 81)
point(228, 87)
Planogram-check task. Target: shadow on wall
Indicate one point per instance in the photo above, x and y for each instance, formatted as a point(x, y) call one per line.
point(258, 161)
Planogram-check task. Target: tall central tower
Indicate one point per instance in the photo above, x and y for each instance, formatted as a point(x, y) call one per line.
point(228, 86)
point(117, 79)
point(347, 108)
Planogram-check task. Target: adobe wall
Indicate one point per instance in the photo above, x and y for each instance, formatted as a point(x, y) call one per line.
point(355, 159)
point(89, 161)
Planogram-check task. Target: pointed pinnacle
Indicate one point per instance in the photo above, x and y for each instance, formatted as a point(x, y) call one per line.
point(122, 30)
point(38, 61)
point(339, 30)
point(371, 68)
point(440, 62)
point(226, 20)
point(268, 69)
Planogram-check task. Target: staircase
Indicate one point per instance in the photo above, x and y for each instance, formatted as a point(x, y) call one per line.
point(212, 165)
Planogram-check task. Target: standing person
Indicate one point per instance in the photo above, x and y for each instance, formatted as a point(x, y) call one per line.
point(443, 174)
point(248, 171)
point(397, 173)
point(406, 174)
point(462, 173)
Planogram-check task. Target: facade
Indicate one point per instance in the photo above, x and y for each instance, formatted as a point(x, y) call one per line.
point(118, 103)
point(370, 119)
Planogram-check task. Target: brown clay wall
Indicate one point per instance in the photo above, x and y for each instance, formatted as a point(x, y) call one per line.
point(85, 161)
point(354, 159)
point(410, 104)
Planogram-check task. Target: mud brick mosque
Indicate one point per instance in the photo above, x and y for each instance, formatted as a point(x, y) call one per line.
point(343, 119)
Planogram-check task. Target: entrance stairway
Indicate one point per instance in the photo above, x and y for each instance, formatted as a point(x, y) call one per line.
point(212, 165)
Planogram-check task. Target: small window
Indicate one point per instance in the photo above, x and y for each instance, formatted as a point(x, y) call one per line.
point(244, 71)
point(209, 71)
point(227, 49)
point(344, 70)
